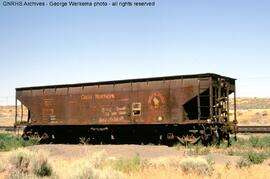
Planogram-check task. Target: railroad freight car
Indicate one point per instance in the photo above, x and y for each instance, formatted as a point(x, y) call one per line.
point(186, 108)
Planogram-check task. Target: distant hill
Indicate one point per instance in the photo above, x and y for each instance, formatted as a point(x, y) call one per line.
point(252, 111)
point(252, 103)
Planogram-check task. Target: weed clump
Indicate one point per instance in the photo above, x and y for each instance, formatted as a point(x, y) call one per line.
point(97, 159)
point(128, 165)
point(198, 150)
point(259, 142)
point(196, 165)
point(93, 167)
point(82, 169)
point(252, 142)
point(243, 162)
point(9, 142)
point(256, 157)
point(26, 162)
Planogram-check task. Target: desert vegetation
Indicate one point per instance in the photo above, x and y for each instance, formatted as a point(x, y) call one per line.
point(250, 158)
point(253, 150)
point(10, 141)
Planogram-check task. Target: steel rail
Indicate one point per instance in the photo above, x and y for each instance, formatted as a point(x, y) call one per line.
point(253, 129)
point(10, 128)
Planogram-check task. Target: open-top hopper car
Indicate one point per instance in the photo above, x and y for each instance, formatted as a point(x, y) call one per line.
point(185, 108)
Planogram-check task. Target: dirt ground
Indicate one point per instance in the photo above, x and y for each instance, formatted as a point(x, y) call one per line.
point(76, 152)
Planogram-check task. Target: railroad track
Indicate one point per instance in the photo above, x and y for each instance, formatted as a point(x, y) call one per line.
point(7, 128)
point(10, 128)
point(254, 129)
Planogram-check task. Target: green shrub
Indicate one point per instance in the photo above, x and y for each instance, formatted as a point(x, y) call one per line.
point(128, 165)
point(9, 142)
point(252, 142)
point(196, 165)
point(260, 142)
point(256, 157)
point(240, 143)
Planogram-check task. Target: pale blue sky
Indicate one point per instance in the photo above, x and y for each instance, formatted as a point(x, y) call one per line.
point(54, 45)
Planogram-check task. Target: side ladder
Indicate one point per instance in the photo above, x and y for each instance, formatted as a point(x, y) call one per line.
point(204, 99)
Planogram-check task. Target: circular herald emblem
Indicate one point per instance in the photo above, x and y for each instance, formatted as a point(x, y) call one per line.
point(156, 100)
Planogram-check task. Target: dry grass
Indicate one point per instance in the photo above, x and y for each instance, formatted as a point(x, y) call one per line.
point(25, 163)
point(94, 165)
point(2, 165)
point(253, 116)
point(226, 172)
point(197, 165)
point(253, 111)
point(7, 114)
point(158, 168)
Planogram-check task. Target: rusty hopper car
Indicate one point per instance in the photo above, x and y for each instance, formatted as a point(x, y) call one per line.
point(184, 108)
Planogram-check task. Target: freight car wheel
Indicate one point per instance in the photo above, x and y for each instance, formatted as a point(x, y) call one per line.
point(188, 139)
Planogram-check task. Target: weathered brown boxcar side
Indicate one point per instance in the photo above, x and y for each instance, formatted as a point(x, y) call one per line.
point(165, 104)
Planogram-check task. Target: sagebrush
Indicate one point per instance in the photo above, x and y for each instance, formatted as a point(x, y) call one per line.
point(26, 162)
